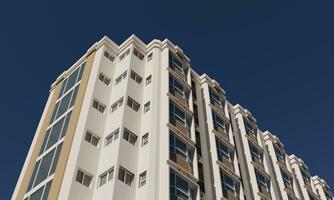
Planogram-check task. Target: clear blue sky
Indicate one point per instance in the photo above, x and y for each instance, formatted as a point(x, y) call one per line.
point(275, 58)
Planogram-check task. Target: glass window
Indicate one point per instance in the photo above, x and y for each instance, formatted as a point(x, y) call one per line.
point(33, 176)
point(142, 179)
point(99, 106)
point(222, 150)
point(177, 147)
point(147, 106)
point(133, 104)
point(111, 137)
point(219, 123)
point(179, 188)
point(44, 168)
point(135, 77)
point(125, 176)
point(148, 79)
point(92, 138)
point(55, 159)
point(64, 104)
point(129, 136)
point(37, 195)
point(55, 133)
point(47, 190)
point(227, 182)
point(150, 56)
point(71, 80)
point(256, 154)
point(144, 140)
point(83, 178)
point(138, 54)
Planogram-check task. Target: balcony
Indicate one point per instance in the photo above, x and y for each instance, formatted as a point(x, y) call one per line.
point(181, 162)
point(182, 130)
point(221, 132)
point(229, 195)
point(264, 192)
point(173, 197)
point(180, 98)
point(227, 163)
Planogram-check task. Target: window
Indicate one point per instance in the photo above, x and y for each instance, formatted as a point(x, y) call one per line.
point(150, 56)
point(133, 104)
point(223, 151)
point(177, 147)
point(99, 106)
point(104, 79)
point(228, 183)
point(125, 176)
point(121, 77)
point(175, 113)
point(175, 86)
point(142, 179)
point(106, 176)
point(306, 177)
point(147, 106)
point(110, 57)
point(91, 138)
point(174, 63)
point(262, 182)
point(215, 98)
point(219, 123)
point(135, 77)
point(287, 180)
point(148, 79)
point(279, 154)
point(138, 54)
point(250, 129)
point(179, 188)
point(112, 137)
point(255, 153)
point(117, 104)
point(122, 56)
point(84, 178)
point(144, 140)
point(129, 136)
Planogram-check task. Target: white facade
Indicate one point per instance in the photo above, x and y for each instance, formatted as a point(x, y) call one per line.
point(149, 127)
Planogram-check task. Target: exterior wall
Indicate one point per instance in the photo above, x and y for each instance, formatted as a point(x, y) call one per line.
point(307, 191)
point(154, 158)
point(251, 167)
point(276, 166)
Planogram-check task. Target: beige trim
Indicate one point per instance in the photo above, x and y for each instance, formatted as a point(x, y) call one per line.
point(63, 158)
point(31, 163)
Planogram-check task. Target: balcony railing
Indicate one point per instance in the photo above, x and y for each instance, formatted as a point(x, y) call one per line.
point(181, 98)
point(265, 192)
point(180, 161)
point(181, 127)
point(226, 162)
point(229, 195)
point(222, 132)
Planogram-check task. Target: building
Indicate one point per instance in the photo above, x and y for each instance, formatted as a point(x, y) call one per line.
point(134, 121)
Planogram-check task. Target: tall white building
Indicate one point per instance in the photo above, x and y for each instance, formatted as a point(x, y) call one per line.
point(135, 122)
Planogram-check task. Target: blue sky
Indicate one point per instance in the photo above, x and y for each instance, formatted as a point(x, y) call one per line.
point(275, 58)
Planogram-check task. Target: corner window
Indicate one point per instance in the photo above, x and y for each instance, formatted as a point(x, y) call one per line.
point(125, 176)
point(112, 137)
point(109, 56)
point(99, 106)
point(129, 136)
point(117, 104)
point(103, 78)
point(121, 77)
point(133, 104)
point(106, 176)
point(92, 138)
point(84, 178)
point(135, 77)
point(138, 54)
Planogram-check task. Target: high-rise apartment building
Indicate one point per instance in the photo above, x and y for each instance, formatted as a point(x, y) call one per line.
point(135, 122)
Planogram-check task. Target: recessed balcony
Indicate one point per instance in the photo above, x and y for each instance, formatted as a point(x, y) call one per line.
point(180, 161)
point(184, 131)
